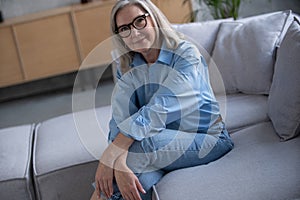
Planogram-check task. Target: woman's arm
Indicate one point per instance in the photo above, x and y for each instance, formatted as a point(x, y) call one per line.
point(104, 173)
point(183, 89)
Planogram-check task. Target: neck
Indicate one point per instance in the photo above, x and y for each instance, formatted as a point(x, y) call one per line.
point(151, 55)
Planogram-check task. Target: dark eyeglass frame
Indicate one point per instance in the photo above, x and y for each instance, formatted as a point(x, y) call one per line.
point(144, 16)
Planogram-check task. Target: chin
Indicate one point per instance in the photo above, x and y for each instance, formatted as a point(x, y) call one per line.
point(142, 49)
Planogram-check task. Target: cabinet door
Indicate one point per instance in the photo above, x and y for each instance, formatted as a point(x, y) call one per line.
point(174, 10)
point(10, 68)
point(47, 46)
point(93, 27)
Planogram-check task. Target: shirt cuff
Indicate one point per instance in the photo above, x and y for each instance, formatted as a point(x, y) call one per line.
point(134, 127)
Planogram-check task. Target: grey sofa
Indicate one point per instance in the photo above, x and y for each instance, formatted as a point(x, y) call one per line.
point(258, 86)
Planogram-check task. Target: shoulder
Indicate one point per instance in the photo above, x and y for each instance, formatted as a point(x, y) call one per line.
point(186, 48)
point(186, 45)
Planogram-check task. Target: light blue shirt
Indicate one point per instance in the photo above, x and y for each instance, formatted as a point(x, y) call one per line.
point(172, 93)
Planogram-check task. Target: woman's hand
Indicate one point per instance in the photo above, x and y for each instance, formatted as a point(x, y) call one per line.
point(129, 185)
point(105, 171)
point(104, 180)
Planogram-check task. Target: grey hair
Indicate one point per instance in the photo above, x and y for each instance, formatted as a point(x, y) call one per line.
point(162, 27)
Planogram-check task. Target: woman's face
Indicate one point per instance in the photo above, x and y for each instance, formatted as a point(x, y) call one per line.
point(138, 40)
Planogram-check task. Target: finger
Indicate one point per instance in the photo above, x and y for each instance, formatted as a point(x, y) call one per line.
point(98, 189)
point(135, 195)
point(129, 196)
point(139, 186)
point(106, 189)
point(110, 187)
point(124, 195)
point(102, 189)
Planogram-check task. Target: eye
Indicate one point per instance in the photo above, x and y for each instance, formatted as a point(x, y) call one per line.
point(140, 22)
point(123, 29)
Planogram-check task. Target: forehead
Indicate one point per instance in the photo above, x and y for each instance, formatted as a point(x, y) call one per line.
point(127, 14)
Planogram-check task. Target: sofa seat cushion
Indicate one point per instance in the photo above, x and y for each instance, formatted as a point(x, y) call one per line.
point(259, 167)
point(243, 110)
point(15, 163)
point(63, 154)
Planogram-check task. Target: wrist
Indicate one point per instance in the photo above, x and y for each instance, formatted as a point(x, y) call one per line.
point(120, 163)
point(117, 148)
point(123, 142)
point(110, 155)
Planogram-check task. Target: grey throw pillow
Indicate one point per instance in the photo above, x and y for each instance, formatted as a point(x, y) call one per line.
point(284, 98)
point(202, 34)
point(244, 51)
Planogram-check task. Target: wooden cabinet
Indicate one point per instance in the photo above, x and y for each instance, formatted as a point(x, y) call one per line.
point(57, 41)
point(10, 67)
point(47, 46)
point(52, 42)
point(93, 26)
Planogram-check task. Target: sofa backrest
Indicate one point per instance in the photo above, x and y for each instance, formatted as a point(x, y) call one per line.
point(243, 50)
point(202, 34)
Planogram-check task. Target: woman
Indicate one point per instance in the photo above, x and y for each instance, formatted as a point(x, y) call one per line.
point(165, 116)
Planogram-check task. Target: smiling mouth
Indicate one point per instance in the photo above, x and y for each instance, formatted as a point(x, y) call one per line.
point(138, 41)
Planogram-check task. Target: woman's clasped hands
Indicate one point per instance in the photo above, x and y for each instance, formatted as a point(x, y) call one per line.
point(112, 166)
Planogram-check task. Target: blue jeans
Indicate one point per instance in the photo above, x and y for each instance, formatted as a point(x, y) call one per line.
point(153, 157)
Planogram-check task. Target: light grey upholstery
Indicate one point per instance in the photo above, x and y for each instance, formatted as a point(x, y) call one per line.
point(15, 163)
point(64, 167)
point(259, 167)
point(244, 110)
point(244, 51)
point(202, 34)
point(284, 100)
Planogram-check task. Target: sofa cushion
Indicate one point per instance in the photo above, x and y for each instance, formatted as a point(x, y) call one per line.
point(242, 110)
point(15, 163)
point(259, 167)
point(64, 153)
point(284, 99)
point(244, 51)
point(202, 34)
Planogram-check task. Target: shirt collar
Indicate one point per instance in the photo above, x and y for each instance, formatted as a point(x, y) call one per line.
point(165, 57)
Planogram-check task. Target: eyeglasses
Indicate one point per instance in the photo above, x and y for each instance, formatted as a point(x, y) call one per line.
point(139, 23)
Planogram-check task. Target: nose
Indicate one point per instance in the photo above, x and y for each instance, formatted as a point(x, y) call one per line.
point(134, 32)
